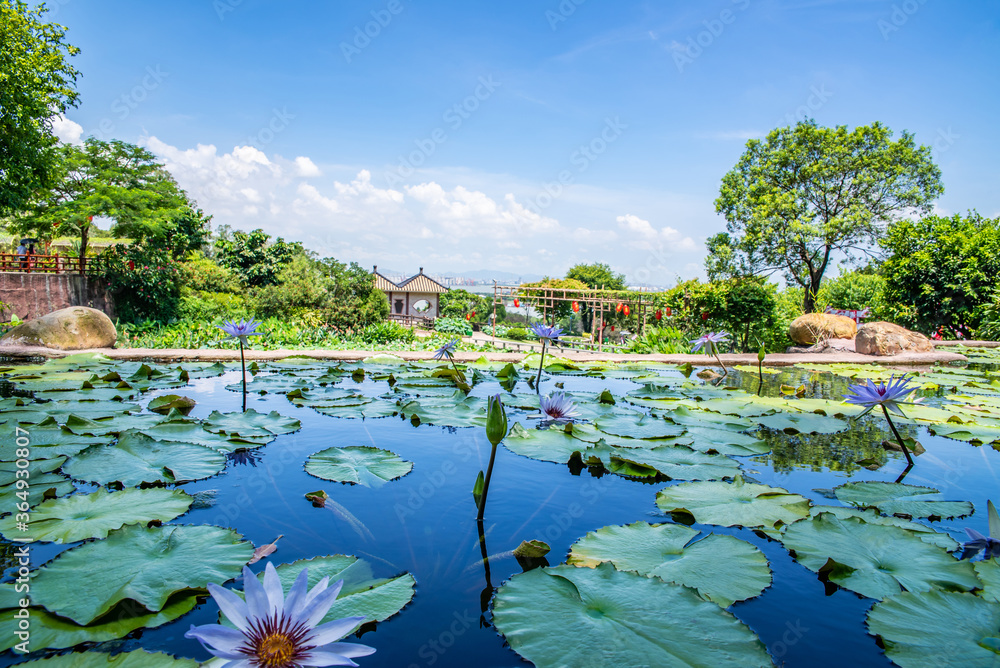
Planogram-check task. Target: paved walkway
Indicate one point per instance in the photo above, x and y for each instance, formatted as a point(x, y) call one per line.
point(212, 355)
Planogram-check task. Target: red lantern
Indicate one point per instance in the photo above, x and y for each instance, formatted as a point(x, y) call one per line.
point(517, 303)
point(618, 308)
point(625, 310)
point(612, 328)
point(131, 265)
point(659, 314)
point(468, 316)
point(90, 219)
point(576, 307)
point(473, 314)
point(669, 312)
point(704, 316)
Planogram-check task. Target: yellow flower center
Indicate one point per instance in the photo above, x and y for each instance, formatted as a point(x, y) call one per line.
point(276, 651)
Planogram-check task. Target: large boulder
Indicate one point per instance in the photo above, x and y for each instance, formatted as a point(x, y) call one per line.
point(73, 328)
point(885, 338)
point(812, 327)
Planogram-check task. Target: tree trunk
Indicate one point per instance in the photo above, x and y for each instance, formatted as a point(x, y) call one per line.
point(809, 300)
point(84, 233)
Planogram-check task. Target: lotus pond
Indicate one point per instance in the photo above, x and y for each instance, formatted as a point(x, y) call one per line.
point(690, 523)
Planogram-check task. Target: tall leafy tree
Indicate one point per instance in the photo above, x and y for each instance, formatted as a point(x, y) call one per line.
point(253, 256)
point(113, 180)
point(806, 194)
point(36, 82)
point(597, 275)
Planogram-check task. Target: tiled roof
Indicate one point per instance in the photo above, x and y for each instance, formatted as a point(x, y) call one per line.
point(384, 284)
point(422, 283)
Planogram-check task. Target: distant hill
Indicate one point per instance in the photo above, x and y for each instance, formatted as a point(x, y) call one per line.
point(490, 275)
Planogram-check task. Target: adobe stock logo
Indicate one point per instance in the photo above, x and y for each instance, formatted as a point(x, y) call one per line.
point(363, 35)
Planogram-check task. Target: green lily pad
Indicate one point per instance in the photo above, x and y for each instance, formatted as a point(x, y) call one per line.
point(894, 498)
point(806, 423)
point(637, 425)
point(149, 565)
point(872, 560)
point(872, 516)
point(681, 463)
point(938, 628)
point(363, 595)
point(723, 569)
point(43, 478)
point(734, 504)
point(139, 658)
point(52, 631)
point(682, 415)
point(137, 458)
point(168, 402)
point(85, 425)
point(618, 618)
point(183, 430)
point(467, 412)
point(726, 442)
point(989, 574)
point(49, 440)
point(83, 516)
point(251, 424)
point(358, 465)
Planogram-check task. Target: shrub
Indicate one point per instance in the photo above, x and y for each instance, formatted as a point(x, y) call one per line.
point(144, 281)
point(518, 334)
point(662, 340)
point(384, 332)
point(201, 273)
point(459, 326)
point(199, 305)
point(853, 290)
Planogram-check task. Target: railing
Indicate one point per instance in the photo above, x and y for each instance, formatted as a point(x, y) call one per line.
point(412, 320)
point(45, 264)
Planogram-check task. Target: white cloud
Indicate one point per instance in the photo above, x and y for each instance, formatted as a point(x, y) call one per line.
point(68, 132)
point(641, 235)
point(306, 167)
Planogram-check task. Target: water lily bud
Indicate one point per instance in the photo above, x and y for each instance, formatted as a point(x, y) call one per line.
point(496, 420)
point(760, 355)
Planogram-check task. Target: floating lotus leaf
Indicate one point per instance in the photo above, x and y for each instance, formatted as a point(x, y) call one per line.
point(145, 565)
point(191, 431)
point(699, 418)
point(681, 463)
point(637, 425)
point(85, 425)
point(806, 423)
point(734, 504)
point(43, 481)
point(83, 516)
point(202, 369)
point(971, 433)
point(363, 595)
point(139, 658)
point(251, 424)
point(137, 458)
point(273, 383)
point(871, 516)
point(726, 442)
point(989, 574)
point(321, 397)
point(468, 412)
point(620, 619)
point(51, 631)
point(378, 408)
point(121, 392)
point(938, 628)
point(168, 402)
point(358, 465)
point(48, 440)
point(556, 444)
point(723, 569)
point(872, 560)
point(591, 434)
point(894, 498)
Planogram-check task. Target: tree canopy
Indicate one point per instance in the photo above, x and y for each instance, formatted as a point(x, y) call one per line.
point(36, 82)
point(254, 258)
point(807, 193)
point(597, 275)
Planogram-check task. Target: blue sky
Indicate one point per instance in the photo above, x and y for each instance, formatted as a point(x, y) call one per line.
point(520, 136)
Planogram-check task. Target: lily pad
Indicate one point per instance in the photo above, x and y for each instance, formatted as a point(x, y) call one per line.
point(938, 628)
point(251, 424)
point(723, 569)
point(637, 425)
point(806, 423)
point(734, 504)
point(680, 463)
point(618, 618)
point(989, 574)
point(874, 561)
point(44, 481)
point(726, 442)
point(83, 516)
point(358, 465)
point(872, 516)
point(894, 498)
point(49, 440)
point(149, 565)
point(168, 402)
point(137, 458)
point(139, 658)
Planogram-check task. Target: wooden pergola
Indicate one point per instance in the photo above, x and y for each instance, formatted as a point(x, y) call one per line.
point(601, 302)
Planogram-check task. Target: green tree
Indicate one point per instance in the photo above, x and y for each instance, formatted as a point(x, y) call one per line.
point(942, 271)
point(598, 276)
point(252, 255)
point(807, 193)
point(114, 180)
point(457, 303)
point(36, 83)
point(144, 281)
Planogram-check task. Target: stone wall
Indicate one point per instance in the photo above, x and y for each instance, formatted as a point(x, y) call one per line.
point(34, 295)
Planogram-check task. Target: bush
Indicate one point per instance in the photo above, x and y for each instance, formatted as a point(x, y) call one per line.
point(201, 273)
point(518, 334)
point(199, 305)
point(144, 281)
point(853, 290)
point(459, 326)
point(383, 333)
point(662, 340)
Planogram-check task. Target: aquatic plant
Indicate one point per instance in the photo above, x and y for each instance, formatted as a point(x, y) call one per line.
point(242, 330)
point(546, 334)
point(988, 545)
point(889, 396)
point(710, 344)
point(448, 350)
point(496, 431)
point(279, 632)
point(557, 408)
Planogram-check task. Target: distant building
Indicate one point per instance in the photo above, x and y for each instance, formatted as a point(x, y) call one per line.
point(414, 297)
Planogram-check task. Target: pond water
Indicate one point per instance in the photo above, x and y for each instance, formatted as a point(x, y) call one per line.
point(425, 522)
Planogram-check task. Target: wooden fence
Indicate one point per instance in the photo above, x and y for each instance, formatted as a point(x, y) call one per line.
point(42, 264)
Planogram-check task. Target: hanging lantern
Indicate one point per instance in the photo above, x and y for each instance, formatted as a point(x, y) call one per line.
point(625, 309)
point(131, 265)
point(658, 315)
point(618, 308)
point(468, 316)
point(576, 307)
point(90, 219)
point(517, 303)
point(612, 328)
point(669, 312)
point(473, 314)
point(704, 316)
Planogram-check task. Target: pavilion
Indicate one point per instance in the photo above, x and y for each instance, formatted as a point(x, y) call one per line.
point(417, 297)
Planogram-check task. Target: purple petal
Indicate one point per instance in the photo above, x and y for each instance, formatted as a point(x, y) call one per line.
point(297, 594)
point(332, 631)
point(272, 586)
point(221, 638)
point(232, 606)
point(257, 602)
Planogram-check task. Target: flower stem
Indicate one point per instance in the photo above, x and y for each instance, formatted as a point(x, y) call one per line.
point(725, 371)
point(243, 366)
point(760, 376)
point(486, 484)
point(541, 363)
point(899, 438)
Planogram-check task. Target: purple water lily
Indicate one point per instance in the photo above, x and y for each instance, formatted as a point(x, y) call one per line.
point(546, 332)
point(279, 632)
point(558, 408)
point(988, 545)
point(242, 329)
point(710, 342)
point(447, 350)
point(887, 395)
